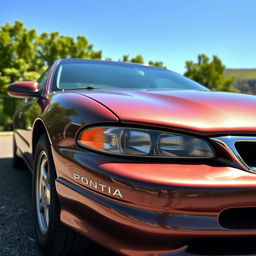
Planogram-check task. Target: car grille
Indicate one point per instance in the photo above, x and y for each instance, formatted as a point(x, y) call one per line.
point(242, 149)
point(247, 151)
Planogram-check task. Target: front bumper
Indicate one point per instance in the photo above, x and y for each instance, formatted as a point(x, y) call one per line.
point(163, 205)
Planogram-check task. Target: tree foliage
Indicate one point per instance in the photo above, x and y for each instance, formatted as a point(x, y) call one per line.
point(17, 54)
point(25, 54)
point(159, 64)
point(139, 59)
point(209, 73)
point(55, 46)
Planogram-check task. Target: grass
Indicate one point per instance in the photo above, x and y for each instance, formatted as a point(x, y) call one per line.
point(241, 74)
point(7, 108)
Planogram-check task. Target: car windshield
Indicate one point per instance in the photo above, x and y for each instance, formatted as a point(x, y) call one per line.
point(114, 75)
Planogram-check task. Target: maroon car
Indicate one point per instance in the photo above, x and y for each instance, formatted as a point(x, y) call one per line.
point(137, 158)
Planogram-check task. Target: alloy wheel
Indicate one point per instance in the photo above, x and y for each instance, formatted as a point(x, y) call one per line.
point(43, 192)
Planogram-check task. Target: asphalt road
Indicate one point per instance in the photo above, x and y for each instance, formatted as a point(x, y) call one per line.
point(17, 236)
point(16, 228)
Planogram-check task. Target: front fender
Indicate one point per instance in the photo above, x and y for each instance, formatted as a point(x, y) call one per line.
point(68, 112)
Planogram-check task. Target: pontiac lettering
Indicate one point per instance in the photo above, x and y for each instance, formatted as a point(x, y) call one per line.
point(98, 186)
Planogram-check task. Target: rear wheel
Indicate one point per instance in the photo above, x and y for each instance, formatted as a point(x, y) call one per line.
point(53, 237)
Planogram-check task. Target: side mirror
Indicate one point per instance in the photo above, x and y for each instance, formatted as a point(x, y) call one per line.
point(23, 89)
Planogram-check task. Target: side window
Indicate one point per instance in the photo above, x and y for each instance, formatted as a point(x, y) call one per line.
point(43, 79)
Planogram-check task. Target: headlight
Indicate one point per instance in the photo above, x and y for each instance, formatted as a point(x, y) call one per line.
point(144, 142)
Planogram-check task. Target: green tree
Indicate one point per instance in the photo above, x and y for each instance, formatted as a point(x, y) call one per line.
point(159, 64)
point(18, 54)
point(139, 59)
point(24, 54)
point(209, 73)
point(55, 46)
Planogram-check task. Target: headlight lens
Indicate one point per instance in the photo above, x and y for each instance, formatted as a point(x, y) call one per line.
point(144, 142)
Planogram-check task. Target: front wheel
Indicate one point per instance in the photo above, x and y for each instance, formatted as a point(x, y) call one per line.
point(52, 236)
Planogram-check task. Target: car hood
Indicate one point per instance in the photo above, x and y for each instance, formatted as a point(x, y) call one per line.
point(200, 111)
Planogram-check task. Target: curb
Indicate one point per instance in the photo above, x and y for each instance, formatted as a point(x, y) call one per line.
point(6, 134)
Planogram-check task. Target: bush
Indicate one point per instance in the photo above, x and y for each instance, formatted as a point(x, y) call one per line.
point(8, 107)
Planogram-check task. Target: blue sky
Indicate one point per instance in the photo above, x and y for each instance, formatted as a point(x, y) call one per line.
point(172, 31)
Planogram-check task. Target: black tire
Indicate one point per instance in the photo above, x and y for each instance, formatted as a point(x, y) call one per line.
point(58, 240)
point(17, 162)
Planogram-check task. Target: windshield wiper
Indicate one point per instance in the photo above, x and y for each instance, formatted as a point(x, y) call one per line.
point(89, 87)
point(80, 88)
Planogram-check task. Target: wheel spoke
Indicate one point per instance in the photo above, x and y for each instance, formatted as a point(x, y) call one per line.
point(46, 216)
point(48, 195)
point(44, 172)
